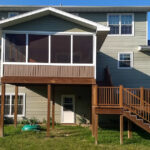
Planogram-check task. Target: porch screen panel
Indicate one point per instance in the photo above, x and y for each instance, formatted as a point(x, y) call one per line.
point(82, 49)
point(60, 49)
point(38, 48)
point(15, 48)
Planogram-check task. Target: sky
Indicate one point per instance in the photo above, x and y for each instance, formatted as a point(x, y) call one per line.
point(81, 3)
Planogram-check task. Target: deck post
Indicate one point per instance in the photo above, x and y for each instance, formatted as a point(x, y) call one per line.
point(121, 95)
point(53, 109)
point(129, 129)
point(48, 108)
point(96, 129)
point(94, 104)
point(121, 129)
point(142, 96)
point(16, 106)
point(2, 110)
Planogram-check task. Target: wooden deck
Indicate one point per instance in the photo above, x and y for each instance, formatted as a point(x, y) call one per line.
point(134, 104)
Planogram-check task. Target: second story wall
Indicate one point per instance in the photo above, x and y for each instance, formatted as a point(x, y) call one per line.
point(114, 44)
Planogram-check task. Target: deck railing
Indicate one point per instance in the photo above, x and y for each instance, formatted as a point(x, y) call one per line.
point(136, 100)
point(108, 96)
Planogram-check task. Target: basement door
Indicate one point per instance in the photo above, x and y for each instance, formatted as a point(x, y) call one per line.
point(68, 109)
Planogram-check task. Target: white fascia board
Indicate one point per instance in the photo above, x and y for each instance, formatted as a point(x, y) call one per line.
point(144, 48)
point(59, 13)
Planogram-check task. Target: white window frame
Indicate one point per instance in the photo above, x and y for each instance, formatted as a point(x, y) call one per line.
point(62, 106)
point(131, 60)
point(24, 102)
point(9, 14)
point(49, 34)
point(119, 14)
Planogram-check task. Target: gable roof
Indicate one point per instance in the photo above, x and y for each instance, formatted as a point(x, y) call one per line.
point(53, 11)
point(76, 9)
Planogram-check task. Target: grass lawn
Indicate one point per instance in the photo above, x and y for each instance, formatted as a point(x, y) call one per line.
point(71, 138)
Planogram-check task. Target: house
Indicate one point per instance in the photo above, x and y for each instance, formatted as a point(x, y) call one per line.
point(67, 54)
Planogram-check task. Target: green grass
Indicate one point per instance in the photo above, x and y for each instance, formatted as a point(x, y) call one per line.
point(71, 138)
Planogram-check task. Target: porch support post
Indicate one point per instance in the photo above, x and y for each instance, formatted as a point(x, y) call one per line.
point(121, 129)
point(129, 129)
point(16, 106)
point(96, 129)
point(94, 104)
point(2, 110)
point(142, 96)
point(121, 96)
point(48, 108)
point(53, 109)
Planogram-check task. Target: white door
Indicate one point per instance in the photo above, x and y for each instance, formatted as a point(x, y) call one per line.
point(68, 108)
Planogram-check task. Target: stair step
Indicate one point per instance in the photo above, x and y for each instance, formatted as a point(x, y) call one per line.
point(139, 119)
point(133, 115)
point(147, 124)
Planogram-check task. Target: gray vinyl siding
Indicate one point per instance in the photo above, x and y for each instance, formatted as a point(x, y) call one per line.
point(36, 101)
point(49, 23)
point(108, 54)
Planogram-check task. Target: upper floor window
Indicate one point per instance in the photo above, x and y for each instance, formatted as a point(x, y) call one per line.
point(125, 60)
point(12, 14)
point(120, 24)
point(15, 48)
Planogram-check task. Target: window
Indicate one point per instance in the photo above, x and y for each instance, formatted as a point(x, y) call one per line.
point(121, 24)
point(12, 14)
point(34, 48)
point(60, 49)
point(114, 24)
point(9, 105)
point(82, 49)
point(126, 24)
point(15, 48)
point(38, 48)
point(125, 60)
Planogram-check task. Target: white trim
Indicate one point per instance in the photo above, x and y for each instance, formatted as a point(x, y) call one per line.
point(71, 54)
point(146, 28)
point(131, 57)
point(27, 43)
point(59, 13)
point(94, 54)
point(47, 33)
point(9, 14)
point(62, 102)
point(2, 53)
point(133, 24)
point(24, 99)
point(49, 49)
point(47, 64)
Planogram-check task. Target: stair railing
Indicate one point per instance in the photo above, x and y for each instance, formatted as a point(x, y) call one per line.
point(134, 101)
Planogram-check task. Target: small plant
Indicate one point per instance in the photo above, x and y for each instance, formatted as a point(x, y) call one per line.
point(44, 121)
point(33, 121)
point(29, 121)
point(8, 120)
point(82, 120)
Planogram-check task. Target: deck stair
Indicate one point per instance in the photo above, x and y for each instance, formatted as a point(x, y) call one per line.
point(138, 121)
point(134, 103)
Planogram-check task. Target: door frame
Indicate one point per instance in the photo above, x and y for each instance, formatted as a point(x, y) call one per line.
point(62, 112)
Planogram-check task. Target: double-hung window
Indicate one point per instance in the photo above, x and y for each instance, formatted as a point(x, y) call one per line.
point(125, 60)
point(121, 24)
point(12, 14)
point(9, 105)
